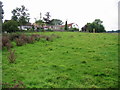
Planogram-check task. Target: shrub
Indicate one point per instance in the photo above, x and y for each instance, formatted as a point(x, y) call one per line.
point(42, 30)
point(9, 45)
point(10, 26)
point(36, 37)
point(43, 36)
point(19, 42)
point(5, 39)
point(24, 37)
point(6, 42)
point(11, 56)
point(13, 36)
point(54, 35)
point(48, 38)
point(75, 29)
point(30, 39)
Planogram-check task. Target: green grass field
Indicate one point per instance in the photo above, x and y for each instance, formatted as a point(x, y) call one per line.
point(76, 60)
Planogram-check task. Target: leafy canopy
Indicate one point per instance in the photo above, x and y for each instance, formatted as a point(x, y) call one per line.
point(95, 26)
point(20, 15)
point(10, 26)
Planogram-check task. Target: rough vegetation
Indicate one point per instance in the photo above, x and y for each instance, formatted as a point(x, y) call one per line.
point(73, 60)
point(22, 39)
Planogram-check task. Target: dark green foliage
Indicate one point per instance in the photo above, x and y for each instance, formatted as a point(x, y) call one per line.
point(66, 27)
point(74, 29)
point(47, 19)
point(10, 26)
point(40, 23)
point(95, 26)
point(56, 22)
point(20, 15)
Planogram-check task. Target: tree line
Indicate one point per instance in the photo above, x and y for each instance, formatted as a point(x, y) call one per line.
point(95, 26)
point(20, 16)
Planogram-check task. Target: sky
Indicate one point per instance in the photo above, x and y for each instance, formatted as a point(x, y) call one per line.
point(74, 11)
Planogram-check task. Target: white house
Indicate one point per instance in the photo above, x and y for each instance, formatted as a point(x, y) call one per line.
point(25, 27)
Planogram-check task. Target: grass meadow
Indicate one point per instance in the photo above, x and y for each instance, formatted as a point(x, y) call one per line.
point(75, 60)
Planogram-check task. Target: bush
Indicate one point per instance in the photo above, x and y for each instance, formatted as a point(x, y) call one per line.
point(48, 38)
point(13, 36)
point(24, 37)
point(56, 36)
point(42, 30)
point(9, 45)
point(50, 30)
point(30, 39)
point(36, 36)
point(10, 26)
point(19, 42)
point(6, 42)
point(11, 56)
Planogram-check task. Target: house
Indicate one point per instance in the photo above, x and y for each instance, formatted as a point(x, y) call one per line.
point(25, 27)
point(61, 27)
point(55, 27)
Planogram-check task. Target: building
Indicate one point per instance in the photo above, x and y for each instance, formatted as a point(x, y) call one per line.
point(61, 27)
point(55, 27)
point(26, 27)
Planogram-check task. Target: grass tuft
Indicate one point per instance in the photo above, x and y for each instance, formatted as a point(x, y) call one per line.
point(11, 56)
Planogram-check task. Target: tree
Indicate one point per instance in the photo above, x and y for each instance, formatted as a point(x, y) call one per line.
point(95, 26)
point(56, 22)
point(20, 15)
point(66, 27)
point(10, 26)
point(98, 21)
point(47, 19)
point(40, 23)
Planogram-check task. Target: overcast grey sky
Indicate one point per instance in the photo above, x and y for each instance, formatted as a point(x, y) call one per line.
point(75, 11)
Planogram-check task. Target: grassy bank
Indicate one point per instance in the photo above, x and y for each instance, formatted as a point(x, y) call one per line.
point(75, 60)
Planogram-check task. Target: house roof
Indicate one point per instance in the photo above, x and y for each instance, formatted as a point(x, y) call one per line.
point(28, 24)
point(47, 26)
